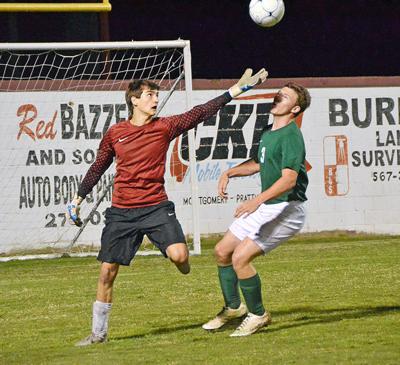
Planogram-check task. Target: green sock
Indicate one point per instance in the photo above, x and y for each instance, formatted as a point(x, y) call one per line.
point(251, 289)
point(229, 286)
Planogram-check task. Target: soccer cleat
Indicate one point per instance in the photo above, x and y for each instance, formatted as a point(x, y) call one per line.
point(226, 315)
point(252, 323)
point(90, 340)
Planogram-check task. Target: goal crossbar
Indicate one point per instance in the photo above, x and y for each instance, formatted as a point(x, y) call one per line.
point(40, 46)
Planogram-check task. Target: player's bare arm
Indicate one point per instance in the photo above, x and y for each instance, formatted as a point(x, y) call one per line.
point(285, 183)
point(246, 168)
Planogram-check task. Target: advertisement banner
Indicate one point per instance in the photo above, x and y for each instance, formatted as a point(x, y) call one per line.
point(50, 139)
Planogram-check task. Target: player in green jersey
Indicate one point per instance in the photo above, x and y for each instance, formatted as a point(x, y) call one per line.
point(267, 220)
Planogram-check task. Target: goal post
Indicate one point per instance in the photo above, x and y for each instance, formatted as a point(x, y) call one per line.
point(56, 102)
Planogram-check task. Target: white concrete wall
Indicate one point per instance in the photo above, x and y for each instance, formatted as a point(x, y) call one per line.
point(49, 139)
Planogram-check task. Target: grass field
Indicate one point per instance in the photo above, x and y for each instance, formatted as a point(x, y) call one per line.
point(335, 299)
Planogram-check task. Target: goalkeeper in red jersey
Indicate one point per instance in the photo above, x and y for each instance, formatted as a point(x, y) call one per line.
point(140, 205)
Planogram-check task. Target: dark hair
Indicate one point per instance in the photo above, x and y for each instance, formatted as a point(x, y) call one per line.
point(135, 88)
point(303, 96)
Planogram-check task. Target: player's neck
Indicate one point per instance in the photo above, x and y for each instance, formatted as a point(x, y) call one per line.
point(281, 121)
point(140, 119)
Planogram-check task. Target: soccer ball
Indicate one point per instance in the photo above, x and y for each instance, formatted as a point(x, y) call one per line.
point(266, 13)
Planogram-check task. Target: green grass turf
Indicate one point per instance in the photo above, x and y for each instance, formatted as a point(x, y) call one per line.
point(335, 299)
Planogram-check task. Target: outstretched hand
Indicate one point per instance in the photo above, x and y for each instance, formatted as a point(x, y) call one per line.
point(248, 81)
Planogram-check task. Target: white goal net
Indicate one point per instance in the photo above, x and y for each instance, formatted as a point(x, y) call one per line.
point(56, 103)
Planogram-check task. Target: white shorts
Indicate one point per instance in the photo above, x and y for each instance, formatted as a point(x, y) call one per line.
point(271, 224)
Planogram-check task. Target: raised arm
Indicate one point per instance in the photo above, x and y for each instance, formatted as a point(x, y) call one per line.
point(180, 123)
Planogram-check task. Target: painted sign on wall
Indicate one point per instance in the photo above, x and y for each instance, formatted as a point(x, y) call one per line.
point(352, 137)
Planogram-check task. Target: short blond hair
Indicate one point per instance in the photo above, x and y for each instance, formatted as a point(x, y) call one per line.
point(303, 96)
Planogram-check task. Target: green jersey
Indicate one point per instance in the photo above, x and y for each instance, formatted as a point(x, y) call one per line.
point(280, 149)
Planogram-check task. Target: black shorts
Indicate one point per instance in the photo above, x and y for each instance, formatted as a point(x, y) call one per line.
point(125, 228)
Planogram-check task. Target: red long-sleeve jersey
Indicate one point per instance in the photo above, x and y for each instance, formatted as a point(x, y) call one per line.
point(140, 154)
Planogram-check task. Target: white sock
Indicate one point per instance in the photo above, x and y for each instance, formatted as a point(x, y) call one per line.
point(100, 318)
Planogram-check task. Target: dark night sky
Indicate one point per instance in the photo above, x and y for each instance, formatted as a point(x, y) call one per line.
point(315, 38)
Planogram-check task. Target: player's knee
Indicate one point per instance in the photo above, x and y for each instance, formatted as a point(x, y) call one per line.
point(222, 255)
point(181, 261)
point(107, 275)
point(239, 261)
point(179, 257)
